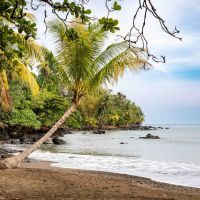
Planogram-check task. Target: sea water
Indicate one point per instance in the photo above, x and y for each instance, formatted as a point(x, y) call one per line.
point(174, 158)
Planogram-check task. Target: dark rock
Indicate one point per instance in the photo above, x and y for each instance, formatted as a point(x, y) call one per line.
point(60, 132)
point(95, 132)
point(102, 132)
point(14, 141)
point(27, 140)
point(149, 136)
point(21, 140)
point(159, 127)
point(16, 132)
point(99, 132)
point(84, 133)
point(167, 128)
point(3, 135)
point(122, 143)
point(49, 141)
point(58, 141)
point(134, 127)
point(2, 151)
point(43, 129)
point(69, 132)
point(147, 128)
point(35, 139)
point(3, 156)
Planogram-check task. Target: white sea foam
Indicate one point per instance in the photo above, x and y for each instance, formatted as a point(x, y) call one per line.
point(179, 173)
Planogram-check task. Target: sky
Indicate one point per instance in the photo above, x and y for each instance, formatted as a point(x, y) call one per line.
point(169, 93)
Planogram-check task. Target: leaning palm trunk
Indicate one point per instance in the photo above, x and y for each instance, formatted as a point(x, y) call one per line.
point(15, 161)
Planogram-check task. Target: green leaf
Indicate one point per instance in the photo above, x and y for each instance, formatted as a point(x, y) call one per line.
point(116, 6)
point(115, 22)
point(112, 30)
point(88, 12)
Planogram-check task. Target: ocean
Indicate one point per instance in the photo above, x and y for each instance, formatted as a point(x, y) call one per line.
point(174, 158)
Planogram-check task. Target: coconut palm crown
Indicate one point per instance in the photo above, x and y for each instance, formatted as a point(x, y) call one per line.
point(85, 64)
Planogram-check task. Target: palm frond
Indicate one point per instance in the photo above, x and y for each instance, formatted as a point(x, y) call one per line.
point(97, 38)
point(114, 61)
point(4, 93)
point(74, 57)
point(24, 74)
point(34, 50)
point(114, 50)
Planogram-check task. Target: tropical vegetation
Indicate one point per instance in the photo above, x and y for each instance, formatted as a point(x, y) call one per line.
point(16, 60)
point(102, 109)
point(81, 68)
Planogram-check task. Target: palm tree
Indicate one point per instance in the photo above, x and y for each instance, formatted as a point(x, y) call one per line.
point(84, 65)
point(19, 66)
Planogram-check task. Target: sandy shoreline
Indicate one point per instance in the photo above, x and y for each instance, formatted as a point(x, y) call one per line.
point(38, 180)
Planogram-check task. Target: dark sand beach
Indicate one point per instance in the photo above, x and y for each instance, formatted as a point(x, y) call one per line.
point(40, 181)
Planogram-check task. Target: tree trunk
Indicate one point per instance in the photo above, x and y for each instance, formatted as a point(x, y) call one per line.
point(15, 161)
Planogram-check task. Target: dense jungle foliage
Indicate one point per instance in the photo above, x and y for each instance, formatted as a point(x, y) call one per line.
point(44, 109)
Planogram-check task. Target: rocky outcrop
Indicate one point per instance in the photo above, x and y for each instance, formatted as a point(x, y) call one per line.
point(25, 135)
point(149, 136)
point(142, 128)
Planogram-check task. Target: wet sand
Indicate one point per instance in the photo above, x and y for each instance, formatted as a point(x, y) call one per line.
point(38, 180)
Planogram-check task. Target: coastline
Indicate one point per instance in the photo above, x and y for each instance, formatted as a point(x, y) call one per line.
point(38, 180)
